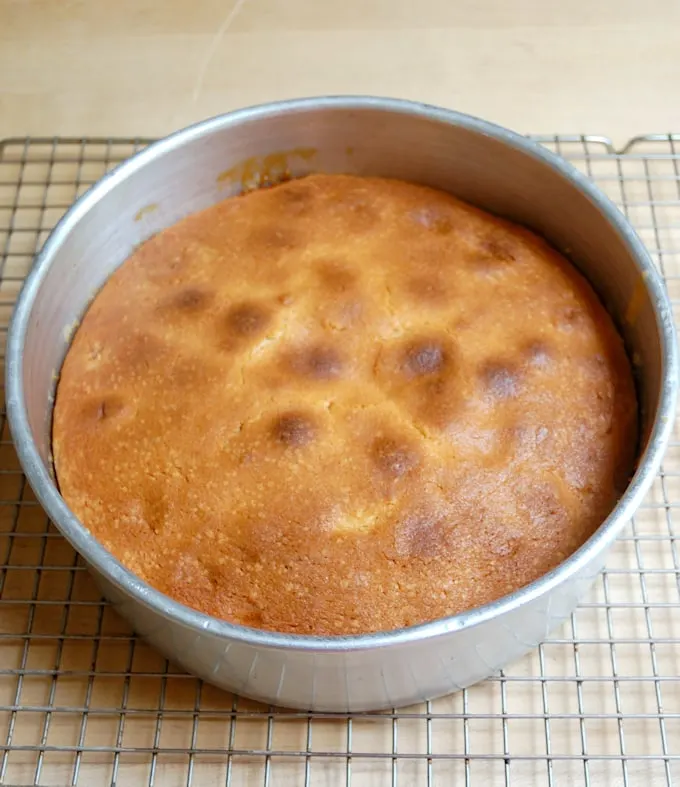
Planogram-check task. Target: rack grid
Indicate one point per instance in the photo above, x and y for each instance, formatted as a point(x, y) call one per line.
point(84, 702)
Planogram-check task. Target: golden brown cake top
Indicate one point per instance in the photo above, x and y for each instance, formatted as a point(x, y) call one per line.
point(341, 405)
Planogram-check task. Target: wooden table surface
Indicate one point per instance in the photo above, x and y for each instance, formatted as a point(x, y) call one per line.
point(127, 67)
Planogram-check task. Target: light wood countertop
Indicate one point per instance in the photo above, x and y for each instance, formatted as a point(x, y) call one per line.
point(139, 67)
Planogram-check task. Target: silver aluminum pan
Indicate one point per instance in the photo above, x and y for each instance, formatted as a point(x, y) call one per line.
point(480, 162)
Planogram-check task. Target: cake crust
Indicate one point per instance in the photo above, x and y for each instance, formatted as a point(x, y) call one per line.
point(343, 405)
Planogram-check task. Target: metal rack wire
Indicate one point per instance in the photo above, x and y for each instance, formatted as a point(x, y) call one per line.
point(83, 702)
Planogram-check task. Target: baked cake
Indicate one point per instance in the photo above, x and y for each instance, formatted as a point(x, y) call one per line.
point(343, 405)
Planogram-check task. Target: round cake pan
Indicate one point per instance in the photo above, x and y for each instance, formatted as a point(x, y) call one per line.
point(479, 162)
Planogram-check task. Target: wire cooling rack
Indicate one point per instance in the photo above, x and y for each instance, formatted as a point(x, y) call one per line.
point(83, 702)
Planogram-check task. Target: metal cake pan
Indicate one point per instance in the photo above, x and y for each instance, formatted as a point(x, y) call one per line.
point(477, 161)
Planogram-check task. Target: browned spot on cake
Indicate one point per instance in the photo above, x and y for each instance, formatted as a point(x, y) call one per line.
point(247, 319)
point(293, 429)
point(421, 533)
point(273, 238)
point(421, 376)
point(104, 409)
point(294, 198)
point(252, 617)
point(494, 256)
point(191, 300)
point(500, 380)
point(392, 457)
point(318, 362)
point(424, 357)
point(500, 249)
point(335, 276)
point(155, 508)
point(429, 289)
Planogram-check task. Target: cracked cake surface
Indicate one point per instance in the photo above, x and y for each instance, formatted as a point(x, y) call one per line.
point(343, 404)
